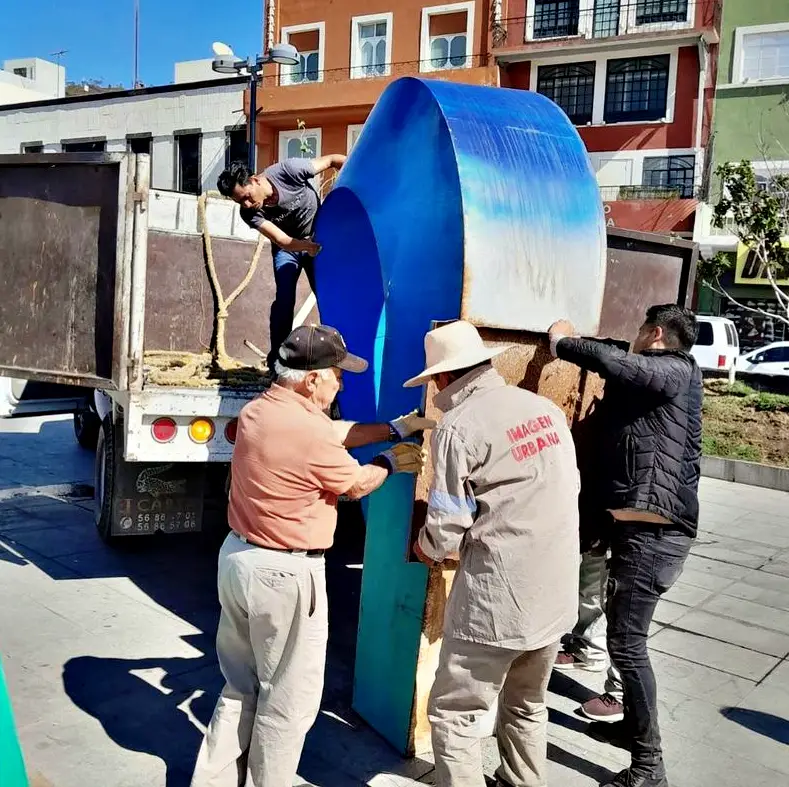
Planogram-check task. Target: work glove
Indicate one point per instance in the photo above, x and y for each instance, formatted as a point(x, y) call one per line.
point(404, 458)
point(411, 423)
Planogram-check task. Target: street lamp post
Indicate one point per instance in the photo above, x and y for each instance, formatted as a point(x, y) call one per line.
point(225, 62)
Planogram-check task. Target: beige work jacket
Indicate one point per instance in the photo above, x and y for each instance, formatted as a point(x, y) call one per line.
point(505, 497)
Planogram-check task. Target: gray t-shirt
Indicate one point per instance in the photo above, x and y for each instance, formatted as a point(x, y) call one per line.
point(298, 201)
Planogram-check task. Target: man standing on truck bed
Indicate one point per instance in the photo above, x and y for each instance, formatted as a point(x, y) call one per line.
point(281, 203)
point(290, 466)
point(650, 450)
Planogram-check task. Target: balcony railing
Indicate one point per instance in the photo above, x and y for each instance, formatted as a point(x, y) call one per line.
point(435, 68)
point(631, 193)
point(604, 19)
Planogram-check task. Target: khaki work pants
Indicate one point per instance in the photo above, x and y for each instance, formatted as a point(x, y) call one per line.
point(271, 646)
point(468, 680)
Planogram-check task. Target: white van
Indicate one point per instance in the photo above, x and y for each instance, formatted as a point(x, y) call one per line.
point(718, 344)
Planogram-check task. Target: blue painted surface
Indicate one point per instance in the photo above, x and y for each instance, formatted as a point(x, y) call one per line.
point(452, 193)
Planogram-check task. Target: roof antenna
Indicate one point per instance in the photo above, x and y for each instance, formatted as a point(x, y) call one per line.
point(58, 55)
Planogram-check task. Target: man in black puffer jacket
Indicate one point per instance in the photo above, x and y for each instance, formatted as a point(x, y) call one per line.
point(648, 476)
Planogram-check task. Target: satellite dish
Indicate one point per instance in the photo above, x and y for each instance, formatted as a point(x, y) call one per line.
point(222, 50)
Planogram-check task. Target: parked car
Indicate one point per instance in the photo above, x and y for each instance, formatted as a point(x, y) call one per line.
point(718, 345)
point(772, 359)
point(27, 397)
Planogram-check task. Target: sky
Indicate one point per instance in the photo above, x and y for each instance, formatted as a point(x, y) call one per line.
point(99, 34)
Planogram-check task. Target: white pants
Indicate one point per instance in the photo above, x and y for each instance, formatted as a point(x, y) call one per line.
point(469, 679)
point(271, 646)
point(588, 639)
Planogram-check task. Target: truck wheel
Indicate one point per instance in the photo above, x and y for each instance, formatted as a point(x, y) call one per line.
point(86, 427)
point(104, 481)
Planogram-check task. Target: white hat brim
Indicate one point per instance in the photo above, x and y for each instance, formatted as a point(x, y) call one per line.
point(463, 361)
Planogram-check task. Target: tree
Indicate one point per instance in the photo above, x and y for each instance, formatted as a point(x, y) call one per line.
point(759, 215)
point(90, 86)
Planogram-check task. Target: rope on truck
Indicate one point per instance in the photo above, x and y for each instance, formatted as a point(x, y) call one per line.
point(221, 358)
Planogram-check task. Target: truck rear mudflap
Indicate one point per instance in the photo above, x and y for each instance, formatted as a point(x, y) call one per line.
point(142, 498)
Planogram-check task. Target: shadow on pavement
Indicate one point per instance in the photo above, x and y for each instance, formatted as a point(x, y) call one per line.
point(155, 705)
point(764, 723)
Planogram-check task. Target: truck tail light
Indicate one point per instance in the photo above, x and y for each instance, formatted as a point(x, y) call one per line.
point(231, 430)
point(163, 430)
point(201, 430)
point(721, 361)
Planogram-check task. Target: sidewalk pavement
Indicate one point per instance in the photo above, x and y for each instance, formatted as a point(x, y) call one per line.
point(110, 664)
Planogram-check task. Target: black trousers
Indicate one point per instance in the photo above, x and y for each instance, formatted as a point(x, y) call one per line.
point(646, 560)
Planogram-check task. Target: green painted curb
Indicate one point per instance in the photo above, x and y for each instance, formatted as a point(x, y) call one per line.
point(12, 766)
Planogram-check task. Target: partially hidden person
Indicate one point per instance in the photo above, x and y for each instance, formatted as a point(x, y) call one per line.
point(650, 459)
point(281, 203)
point(290, 465)
point(504, 497)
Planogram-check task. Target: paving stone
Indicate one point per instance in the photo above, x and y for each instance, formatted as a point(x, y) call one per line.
point(779, 678)
point(737, 544)
point(736, 632)
point(706, 765)
point(685, 716)
point(778, 567)
point(762, 578)
point(758, 728)
point(668, 612)
point(687, 595)
point(704, 579)
point(777, 599)
point(749, 612)
point(715, 567)
point(698, 680)
point(713, 653)
point(715, 551)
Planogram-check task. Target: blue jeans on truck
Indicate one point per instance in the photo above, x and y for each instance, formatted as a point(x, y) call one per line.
point(646, 560)
point(288, 266)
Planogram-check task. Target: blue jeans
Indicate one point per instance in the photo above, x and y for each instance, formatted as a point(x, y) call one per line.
point(646, 560)
point(288, 266)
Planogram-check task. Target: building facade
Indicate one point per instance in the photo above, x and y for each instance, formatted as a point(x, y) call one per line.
point(350, 51)
point(752, 123)
point(191, 129)
point(637, 78)
point(31, 79)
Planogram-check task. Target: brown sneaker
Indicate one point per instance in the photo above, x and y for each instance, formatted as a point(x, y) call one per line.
point(603, 708)
point(567, 662)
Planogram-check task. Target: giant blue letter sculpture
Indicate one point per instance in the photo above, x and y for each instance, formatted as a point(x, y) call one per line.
point(457, 202)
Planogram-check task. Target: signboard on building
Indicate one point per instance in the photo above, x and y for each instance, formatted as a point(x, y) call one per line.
point(749, 269)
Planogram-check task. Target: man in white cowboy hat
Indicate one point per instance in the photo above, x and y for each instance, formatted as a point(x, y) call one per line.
point(505, 497)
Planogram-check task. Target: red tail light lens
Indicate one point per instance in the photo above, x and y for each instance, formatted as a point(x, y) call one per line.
point(231, 430)
point(721, 361)
point(163, 430)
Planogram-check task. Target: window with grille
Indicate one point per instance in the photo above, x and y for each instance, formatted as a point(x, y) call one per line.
point(636, 89)
point(571, 86)
point(371, 48)
point(448, 51)
point(555, 18)
point(306, 70)
point(299, 144)
point(649, 12)
point(765, 56)
point(671, 175)
point(605, 21)
point(21, 72)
